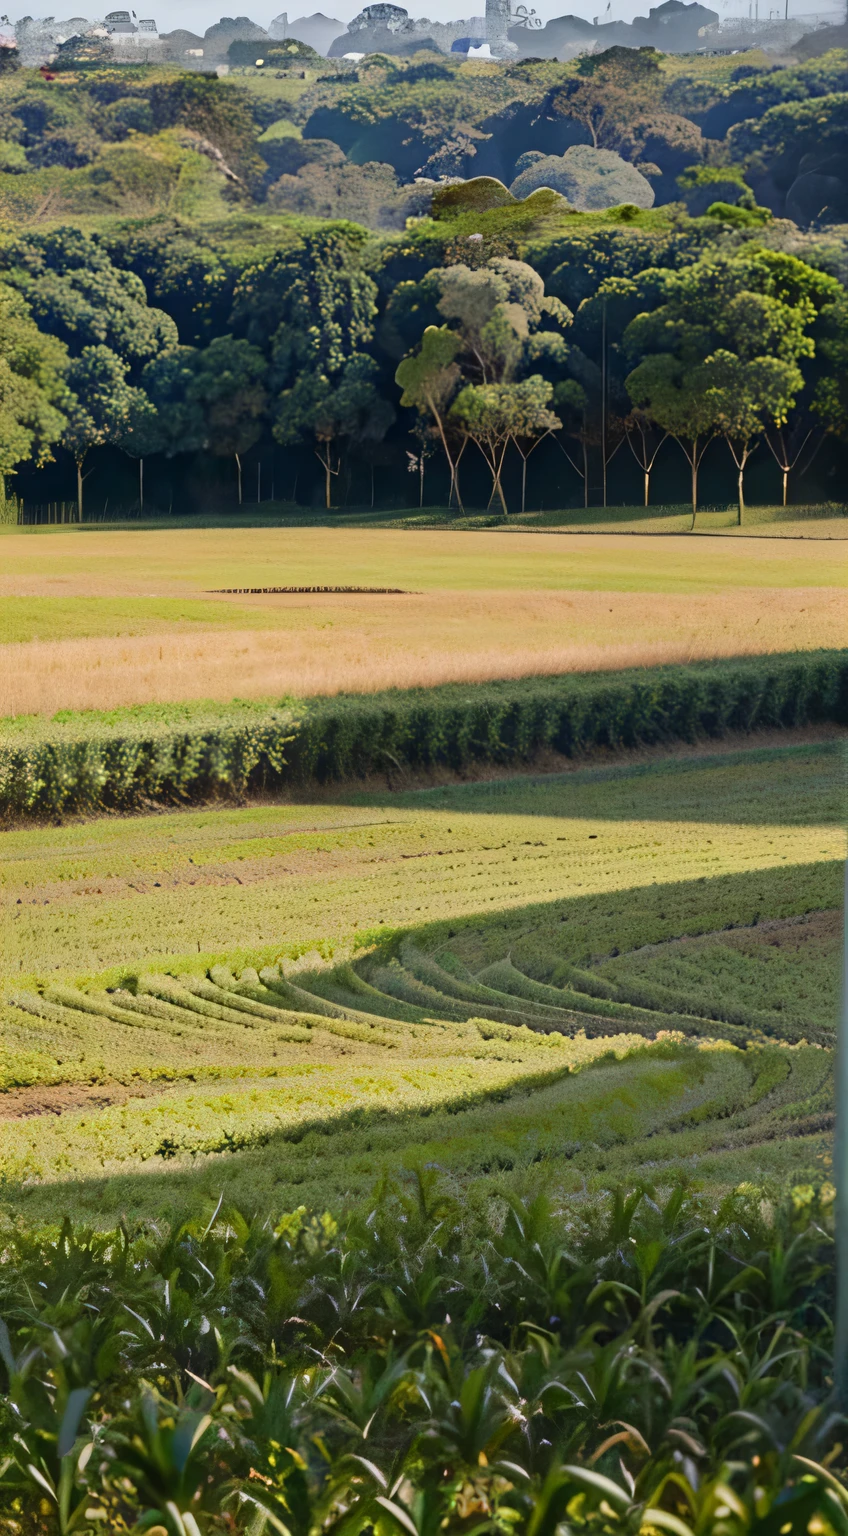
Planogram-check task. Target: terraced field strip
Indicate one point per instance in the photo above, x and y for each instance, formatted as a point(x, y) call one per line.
point(260, 881)
point(530, 929)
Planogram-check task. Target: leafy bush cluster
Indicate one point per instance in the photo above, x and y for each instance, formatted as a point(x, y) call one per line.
point(172, 753)
point(652, 1362)
point(191, 752)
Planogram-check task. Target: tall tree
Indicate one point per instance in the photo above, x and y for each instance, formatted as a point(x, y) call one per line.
point(674, 393)
point(101, 408)
point(758, 307)
point(348, 409)
point(749, 397)
point(229, 386)
point(208, 398)
point(429, 379)
point(312, 309)
point(33, 389)
point(494, 415)
point(503, 323)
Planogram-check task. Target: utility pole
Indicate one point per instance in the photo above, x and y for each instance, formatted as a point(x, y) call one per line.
point(840, 1170)
point(604, 393)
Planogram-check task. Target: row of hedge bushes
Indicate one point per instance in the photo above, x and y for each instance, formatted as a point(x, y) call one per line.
point(155, 754)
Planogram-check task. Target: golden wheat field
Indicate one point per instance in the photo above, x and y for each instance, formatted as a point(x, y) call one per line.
point(102, 619)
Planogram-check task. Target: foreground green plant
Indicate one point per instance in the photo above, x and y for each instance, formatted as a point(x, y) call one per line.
point(646, 1363)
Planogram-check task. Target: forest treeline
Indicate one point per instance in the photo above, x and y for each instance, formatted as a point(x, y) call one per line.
point(496, 319)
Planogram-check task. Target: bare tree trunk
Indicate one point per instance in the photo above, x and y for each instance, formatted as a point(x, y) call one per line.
point(238, 466)
point(500, 493)
point(453, 467)
point(577, 471)
point(80, 478)
point(645, 460)
point(740, 459)
point(462, 449)
point(495, 465)
point(585, 473)
point(326, 464)
point(785, 484)
point(421, 480)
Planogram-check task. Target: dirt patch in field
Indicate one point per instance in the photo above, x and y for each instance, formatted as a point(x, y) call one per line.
point(58, 1098)
point(786, 933)
point(791, 932)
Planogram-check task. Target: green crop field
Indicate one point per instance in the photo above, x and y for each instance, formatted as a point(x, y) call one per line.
point(609, 970)
point(186, 562)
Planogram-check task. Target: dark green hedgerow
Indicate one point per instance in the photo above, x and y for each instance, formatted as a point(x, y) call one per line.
point(172, 753)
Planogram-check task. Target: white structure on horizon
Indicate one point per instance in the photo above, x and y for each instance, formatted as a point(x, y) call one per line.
point(124, 30)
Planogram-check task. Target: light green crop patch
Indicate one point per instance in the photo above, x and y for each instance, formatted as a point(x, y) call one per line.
point(611, 972)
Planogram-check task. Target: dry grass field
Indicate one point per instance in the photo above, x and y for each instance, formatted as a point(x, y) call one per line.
point(102, 619)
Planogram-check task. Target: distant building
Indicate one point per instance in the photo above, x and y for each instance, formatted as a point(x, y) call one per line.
point(119, 24)
point(498, 17)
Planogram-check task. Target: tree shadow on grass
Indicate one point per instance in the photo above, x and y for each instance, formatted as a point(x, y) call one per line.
point(792, 785)
point(334, 1161)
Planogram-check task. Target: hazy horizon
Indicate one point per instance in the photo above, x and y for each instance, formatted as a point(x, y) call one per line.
point(197, 15)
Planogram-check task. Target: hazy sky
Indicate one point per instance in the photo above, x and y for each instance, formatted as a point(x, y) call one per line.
point(197, 15)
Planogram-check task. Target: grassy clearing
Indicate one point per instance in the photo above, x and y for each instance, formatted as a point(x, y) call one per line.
point(497, 937)
point(814, 521)
point(185, 562)
point(131, 617)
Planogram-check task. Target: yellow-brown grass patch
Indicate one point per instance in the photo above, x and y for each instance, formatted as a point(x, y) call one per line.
point(333, 644)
